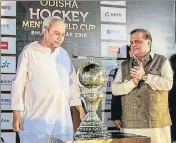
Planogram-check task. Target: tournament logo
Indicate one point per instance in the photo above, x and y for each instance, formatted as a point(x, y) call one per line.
point(5, 64)
point(6, 7)
point(2, 140)
point(4, 45)
point(6, 82)
point(5, 25)
point(114, 49)
point(115, 15)
point(113, 32)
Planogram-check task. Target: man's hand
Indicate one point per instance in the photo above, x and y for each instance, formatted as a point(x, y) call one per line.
point(117, 123)
point(82, 115)
point(81, 112)
point(137, 72)
point(17, 121)
point(135, 81)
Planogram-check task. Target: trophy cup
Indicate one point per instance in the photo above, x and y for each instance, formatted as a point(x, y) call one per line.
point(92, 79)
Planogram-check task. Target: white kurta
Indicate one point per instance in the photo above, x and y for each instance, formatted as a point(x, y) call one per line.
point(44, 88)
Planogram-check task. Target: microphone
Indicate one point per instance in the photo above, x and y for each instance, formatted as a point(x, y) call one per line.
point(91, 57)
point(136, 62)
point(76, 57)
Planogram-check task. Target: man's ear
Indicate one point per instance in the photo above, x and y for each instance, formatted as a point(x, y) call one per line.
point(149, 43)
point(45, 31)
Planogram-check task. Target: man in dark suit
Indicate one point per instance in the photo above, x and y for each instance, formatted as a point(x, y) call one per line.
point(172, 99)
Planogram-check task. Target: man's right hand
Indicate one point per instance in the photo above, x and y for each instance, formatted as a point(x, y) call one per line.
point(135, 81)
point(117, 123)
point(17, 121)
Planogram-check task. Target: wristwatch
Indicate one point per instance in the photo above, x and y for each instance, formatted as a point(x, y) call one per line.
point(145, 77)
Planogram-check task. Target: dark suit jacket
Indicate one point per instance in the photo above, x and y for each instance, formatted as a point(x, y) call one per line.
point(172, 106)
point(116, 108)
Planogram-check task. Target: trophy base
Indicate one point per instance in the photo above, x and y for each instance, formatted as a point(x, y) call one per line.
point(92, 135)
point(98, 136)
point(92, 128)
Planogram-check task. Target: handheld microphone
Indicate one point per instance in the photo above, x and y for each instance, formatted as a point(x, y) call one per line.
point(136, 62)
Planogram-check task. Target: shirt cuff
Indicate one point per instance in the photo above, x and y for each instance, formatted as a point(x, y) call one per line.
point(17, 107)
point(149, 78)
point(130, 84)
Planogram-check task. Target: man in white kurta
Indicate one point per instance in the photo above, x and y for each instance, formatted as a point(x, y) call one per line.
point(43, 90)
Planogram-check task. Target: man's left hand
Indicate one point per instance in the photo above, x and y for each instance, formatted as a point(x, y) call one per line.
point(137, 72)
point(82, 115)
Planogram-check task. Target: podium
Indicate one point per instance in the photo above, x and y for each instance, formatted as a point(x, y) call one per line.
point(117, 137)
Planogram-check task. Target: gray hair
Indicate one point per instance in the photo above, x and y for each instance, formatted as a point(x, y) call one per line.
point(48, 22)
point(147, 34)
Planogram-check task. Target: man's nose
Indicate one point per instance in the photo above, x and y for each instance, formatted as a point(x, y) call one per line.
point(133, 44)
point(59, 37)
